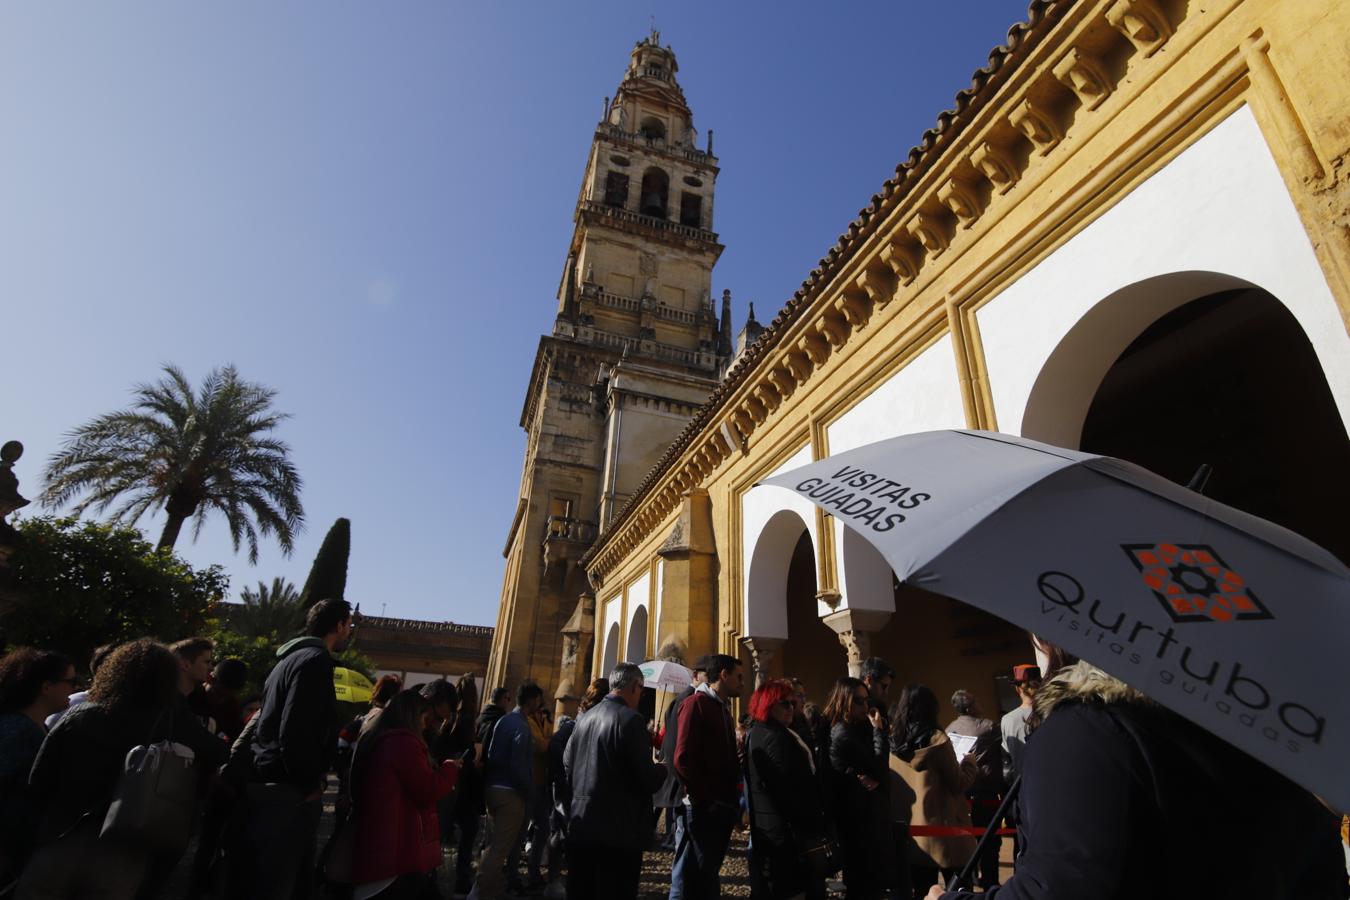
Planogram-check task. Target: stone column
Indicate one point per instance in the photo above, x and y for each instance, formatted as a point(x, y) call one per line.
point(688, 625)
point(855, 628)
point(762, 652)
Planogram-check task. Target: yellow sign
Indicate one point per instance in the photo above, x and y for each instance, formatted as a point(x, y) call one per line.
point(350, 686)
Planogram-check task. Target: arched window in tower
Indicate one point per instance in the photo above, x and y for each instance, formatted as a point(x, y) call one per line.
point(616, 189)
point(691, 209)
point(653, 129)
point(655, 193)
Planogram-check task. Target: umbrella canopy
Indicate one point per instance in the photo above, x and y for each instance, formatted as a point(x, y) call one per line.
point(351, 686)
point(1232, 621)
point(666, 675)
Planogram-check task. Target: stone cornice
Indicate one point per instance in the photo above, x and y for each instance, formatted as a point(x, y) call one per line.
point(1014, 114)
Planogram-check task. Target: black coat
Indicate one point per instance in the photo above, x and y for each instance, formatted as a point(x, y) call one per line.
point(785, 795)
point(609, 765)
point(296, 738)
point(1123, 799)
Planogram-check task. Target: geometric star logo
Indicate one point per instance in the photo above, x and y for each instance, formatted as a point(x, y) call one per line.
point(1193, 584)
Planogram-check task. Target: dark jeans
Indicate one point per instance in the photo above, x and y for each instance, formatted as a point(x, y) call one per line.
point(702, 848)
point(598, 872)
point(272, 854)
point(467, 821)
point(982, 811)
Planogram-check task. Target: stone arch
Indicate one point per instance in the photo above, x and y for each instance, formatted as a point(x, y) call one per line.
point(766, 584)
point(868, 582)
point(1068, 380)
point(654, 200)
point(636, 648)
point(611, 651)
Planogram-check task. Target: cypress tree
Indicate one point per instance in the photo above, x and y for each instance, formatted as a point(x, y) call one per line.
point(328, 576)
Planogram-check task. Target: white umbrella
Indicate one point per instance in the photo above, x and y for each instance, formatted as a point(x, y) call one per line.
point(1232, 621)
point(666, 675)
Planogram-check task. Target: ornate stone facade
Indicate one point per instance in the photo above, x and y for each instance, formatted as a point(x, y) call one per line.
point(1123, 173)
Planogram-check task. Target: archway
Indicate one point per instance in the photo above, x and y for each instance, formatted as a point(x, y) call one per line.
point(655, 197)
point(1231, 379)
point(611, 651)
point(636, 651)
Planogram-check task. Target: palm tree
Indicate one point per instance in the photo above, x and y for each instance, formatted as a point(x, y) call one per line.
point(189, 452)
point(268, 610)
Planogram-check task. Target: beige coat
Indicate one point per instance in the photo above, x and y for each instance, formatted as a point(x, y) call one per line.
point(937, 784)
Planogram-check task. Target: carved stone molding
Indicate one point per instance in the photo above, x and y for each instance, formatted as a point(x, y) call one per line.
point(1084, 75)
point(996, 165)
point(1142, 22)
point(930, 231)
point(1039, 126)
point(958, 196)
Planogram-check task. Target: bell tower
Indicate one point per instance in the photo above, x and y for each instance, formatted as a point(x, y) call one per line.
point(635, 349)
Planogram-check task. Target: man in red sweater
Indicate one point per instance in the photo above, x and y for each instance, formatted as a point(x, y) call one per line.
point(705, 761)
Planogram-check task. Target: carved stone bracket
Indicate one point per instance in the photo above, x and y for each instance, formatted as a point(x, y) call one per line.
point(834, 329)
point(1038, 125)
point(762, 652)
point(855, 306)
point(958, 196)
point(928, 230)
point(799, 364)
point(1141, 21)
point(902, 260)
point(996, 165)
point(816, 348)
point(1084, 75)
point(877, 284)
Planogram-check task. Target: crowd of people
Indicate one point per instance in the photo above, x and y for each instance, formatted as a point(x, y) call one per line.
point(1120, 797)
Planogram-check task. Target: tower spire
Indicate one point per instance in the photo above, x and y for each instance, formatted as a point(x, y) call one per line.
point(724, 331)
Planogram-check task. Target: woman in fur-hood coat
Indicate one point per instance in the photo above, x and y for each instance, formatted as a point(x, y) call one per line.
point(1122, 798)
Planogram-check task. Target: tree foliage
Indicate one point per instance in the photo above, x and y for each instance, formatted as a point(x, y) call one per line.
point(189, 452)
point(82, 584)
point(267, 611)
point(328, 575)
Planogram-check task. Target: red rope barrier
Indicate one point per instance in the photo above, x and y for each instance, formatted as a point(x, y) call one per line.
point(953, 831)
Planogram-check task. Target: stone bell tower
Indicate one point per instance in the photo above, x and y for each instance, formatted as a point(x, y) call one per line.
point(636, 347)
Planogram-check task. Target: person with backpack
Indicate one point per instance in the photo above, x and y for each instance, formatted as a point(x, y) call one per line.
point(76, 775)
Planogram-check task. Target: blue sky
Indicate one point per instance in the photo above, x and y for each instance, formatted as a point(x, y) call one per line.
point(367, 206)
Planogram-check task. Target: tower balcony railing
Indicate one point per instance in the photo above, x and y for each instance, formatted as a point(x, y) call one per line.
point(640, 140)
point(628, 304)
point(693, 358)
point(566, 528)
point(623, 215)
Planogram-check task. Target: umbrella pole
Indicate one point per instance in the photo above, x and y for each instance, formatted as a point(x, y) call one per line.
point(962, 878)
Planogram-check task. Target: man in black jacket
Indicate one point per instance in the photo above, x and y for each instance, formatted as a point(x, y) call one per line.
point(293, 747)
point(670, 795)
point(609, 764)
